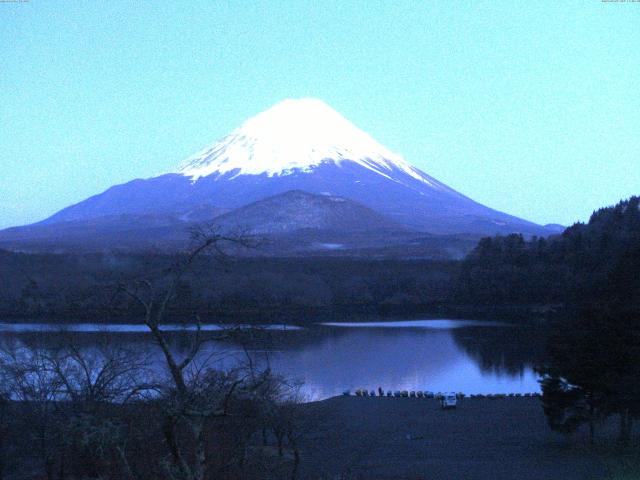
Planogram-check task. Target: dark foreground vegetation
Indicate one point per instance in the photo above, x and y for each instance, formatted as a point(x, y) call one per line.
point(592, 368)
point(67, 413)
point(104, 413)
point(343, 437)
point(592, 372)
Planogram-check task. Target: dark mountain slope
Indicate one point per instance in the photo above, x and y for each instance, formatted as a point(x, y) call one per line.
point(297, 210)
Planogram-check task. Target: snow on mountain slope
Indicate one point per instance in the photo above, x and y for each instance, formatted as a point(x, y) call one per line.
point(296, 135)
point(301, 145)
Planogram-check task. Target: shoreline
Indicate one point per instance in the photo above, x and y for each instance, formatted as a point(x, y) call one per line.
point(524, 315)
point(413, 438)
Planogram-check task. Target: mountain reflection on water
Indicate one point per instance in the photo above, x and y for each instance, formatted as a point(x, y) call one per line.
point(436, 355)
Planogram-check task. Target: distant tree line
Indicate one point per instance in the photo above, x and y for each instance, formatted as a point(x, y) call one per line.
point(81, 287)
point(587, 264)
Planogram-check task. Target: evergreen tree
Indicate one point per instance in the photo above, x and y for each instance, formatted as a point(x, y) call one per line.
point(593, 371)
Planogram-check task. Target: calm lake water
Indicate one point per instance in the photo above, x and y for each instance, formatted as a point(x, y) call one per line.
point(435, 355)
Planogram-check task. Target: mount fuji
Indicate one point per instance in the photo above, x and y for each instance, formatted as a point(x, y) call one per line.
point(298, 145)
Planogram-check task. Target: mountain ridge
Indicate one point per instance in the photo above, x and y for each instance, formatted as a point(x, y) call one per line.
point(301, 145)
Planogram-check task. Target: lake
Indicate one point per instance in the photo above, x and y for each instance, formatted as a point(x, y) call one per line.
point(436, 355)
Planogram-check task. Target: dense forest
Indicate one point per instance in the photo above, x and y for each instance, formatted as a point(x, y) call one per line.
point(592, 263)
point(588, 264)
point(589, 275)
point(82, 287)
point(591, 370)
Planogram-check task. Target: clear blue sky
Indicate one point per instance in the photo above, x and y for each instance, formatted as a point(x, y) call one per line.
point(531, 107)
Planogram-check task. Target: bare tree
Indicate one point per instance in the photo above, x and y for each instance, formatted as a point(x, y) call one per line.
point(61, 389)
point(30, 379)
point(4, 422)
point(155, 298)
point(194, 396)
point(285, 422)
point(91, 410)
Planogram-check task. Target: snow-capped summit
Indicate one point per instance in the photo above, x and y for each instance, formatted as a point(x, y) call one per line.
point(295, 135)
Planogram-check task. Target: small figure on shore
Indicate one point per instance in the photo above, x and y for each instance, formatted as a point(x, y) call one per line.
point(380, 392)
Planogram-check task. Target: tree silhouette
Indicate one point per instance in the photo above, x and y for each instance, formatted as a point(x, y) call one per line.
point(593, 371)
